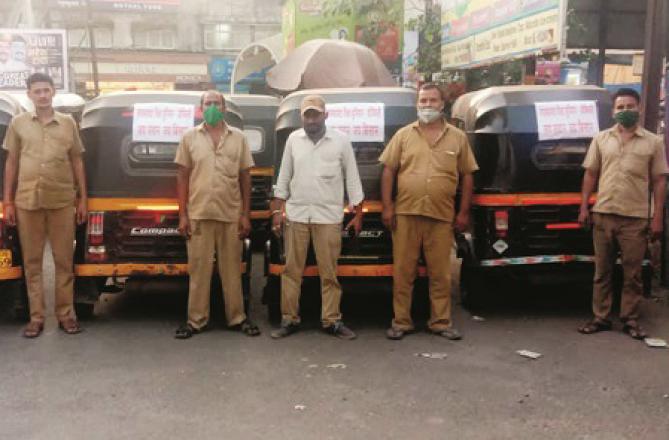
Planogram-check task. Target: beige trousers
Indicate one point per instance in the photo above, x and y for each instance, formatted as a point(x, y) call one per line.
point(214, 238)
point(327, 247)
point(629, 234)
point(35, 228)
point(436, 238)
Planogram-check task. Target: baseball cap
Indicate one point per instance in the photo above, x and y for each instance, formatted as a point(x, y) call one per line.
point(313, 102)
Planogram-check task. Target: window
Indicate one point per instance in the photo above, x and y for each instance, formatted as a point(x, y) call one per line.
point(161, 38)
point(78, 37)
point(226, 36)
point(254, 136)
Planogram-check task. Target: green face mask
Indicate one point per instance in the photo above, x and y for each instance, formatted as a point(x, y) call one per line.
point(212, 115)
point(627, 118)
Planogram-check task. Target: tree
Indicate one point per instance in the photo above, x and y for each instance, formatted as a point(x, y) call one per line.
point(428, 26)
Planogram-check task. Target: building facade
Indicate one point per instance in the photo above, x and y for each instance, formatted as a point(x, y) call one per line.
point(142, 44)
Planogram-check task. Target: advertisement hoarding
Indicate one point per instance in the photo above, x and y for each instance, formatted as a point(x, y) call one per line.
point(26, 51)
point(480, 31)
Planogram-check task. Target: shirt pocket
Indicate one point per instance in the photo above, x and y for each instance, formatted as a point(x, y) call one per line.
point(329, 173)
point(228, 164)
point(637, 163)
point(445, 161)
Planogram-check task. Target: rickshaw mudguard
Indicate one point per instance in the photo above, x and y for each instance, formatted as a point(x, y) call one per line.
point(11, 273)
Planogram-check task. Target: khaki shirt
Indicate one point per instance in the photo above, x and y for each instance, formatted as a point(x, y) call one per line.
point(214, 192)
point(312, 177)
point(428, 175)
point(46, 179)
point(625, 170)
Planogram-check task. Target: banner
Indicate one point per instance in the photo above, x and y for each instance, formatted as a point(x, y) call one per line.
point(361, 122)
point(567, 120)
point(121, 5)
point(478, 31)
point(26, 51)
point(161, 122)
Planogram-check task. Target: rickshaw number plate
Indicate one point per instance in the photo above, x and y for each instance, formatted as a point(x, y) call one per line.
point(5, 258)
point(500, 246)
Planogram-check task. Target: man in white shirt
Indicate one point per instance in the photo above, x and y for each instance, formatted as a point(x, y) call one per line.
point(317, 162)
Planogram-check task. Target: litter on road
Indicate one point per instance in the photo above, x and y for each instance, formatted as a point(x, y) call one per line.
point(300, 407)
point(341, 366)
point(529, 354)
point(478, 318)
point(656, 342)
point(432, 355)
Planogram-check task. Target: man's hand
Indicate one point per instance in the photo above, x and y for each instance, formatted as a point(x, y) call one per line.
point(9, 213)
point(388, 216)
point(277, 223)
point(584, 216)
point(462, 221)
point(356, 224)
point(244, 226)
point(82, 211)
point(184, 226)
point(656, 228)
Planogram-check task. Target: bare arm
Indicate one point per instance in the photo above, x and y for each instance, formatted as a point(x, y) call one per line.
point(462, 219)
point(590, 179)
point(80, 179)
point(245, 189)
point(387, 184)
point(659, 194)
point(183, 179)
point(11, 174)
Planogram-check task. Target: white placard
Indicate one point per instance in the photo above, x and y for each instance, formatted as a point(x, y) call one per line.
point(161, 122)
point(361, 122)
point(567, 119)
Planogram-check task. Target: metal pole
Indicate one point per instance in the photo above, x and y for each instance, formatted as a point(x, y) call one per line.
point(94, 55)
point(603, 31)
point(652, 65)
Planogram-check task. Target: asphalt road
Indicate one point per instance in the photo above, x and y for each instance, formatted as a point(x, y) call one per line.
point(126, 377)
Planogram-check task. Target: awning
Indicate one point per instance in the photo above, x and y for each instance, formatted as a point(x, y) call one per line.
point(256, 57)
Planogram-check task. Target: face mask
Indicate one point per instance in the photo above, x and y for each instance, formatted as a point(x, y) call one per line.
point(428, 114)
point(212, 116)
point(627, 118)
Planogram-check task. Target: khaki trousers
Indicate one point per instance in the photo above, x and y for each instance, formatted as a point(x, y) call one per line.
point(214, 238)
point(35, 227)
point(327, 247)
point(629, 235)
point(436, 238)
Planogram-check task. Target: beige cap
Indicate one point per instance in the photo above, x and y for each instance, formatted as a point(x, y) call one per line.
point(313, 102)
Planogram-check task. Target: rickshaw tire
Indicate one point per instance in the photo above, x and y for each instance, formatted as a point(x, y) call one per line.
point(471, 287)
point(272, 298)
point(20, 311)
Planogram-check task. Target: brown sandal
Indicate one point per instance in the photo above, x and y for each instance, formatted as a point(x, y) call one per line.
point(634, 330)
point(70, 326)
point(594, 327)
point(33, 329)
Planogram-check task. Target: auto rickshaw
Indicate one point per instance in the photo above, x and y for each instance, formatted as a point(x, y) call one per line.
point(12, 284)
point(259, 112)
point(527, 195)
point(367, 257)
point(132, 228)
point(64, 102)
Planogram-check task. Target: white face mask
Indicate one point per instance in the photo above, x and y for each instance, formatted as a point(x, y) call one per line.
point(428, 114)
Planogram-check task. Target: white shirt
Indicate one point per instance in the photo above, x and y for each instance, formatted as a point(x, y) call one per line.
point(312, 178)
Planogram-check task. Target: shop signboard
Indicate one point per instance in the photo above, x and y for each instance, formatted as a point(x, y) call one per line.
point(482, 31)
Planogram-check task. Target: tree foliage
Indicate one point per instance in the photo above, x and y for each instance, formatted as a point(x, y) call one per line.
point(428, 26)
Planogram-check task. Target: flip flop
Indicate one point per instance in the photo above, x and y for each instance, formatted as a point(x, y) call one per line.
point(33, 329)
point(70, 326)
point(635, 331)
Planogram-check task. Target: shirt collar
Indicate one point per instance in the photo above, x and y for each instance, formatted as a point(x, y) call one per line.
point(201, 127)
point(54, 118)
point(328, 133)
point(639, 132)
point(416, 126)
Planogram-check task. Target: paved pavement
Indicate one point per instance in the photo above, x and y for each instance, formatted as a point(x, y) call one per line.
point(127, 378)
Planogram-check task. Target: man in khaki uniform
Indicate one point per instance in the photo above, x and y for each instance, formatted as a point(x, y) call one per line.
point(428, 157)
point(214, 187)
point(624, 162)
point(43, 170)
point(317, 164)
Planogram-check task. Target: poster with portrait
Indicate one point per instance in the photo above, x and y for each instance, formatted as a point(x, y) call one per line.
point(26, 51)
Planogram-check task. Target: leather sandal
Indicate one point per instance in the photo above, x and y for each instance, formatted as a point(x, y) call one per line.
point(70, 326)
point(634, 330)
point(594, 327)
point(33, 329)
